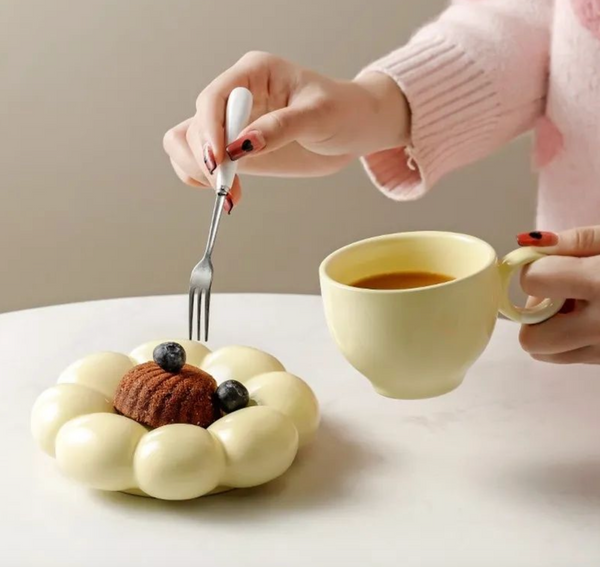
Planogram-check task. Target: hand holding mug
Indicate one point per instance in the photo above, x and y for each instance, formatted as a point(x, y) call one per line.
point(571, 270)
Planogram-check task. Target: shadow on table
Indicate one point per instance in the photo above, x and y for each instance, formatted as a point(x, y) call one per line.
point(578, 481)
point(327, 470)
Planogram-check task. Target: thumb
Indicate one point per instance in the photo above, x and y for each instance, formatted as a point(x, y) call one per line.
point(581, 241)
point(272, 131)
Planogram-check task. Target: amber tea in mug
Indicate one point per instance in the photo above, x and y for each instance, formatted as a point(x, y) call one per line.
point(402, 280)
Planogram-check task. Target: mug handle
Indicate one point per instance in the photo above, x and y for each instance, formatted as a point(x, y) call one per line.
point(510, 264)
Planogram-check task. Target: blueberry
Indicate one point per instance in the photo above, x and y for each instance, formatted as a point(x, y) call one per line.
point(169, 356)
point(232, 395)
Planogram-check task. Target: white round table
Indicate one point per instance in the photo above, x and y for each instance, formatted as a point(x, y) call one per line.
point(505, 471)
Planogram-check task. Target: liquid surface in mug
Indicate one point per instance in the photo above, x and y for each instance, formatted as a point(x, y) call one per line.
point(401, 280)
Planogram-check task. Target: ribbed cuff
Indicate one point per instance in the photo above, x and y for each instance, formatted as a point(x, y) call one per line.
point(455, 110)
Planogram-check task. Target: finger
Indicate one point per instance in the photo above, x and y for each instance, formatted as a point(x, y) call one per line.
point(185, 177)
point(560, 277)
point(209, 122)
point(561, 333)
point(585, 355)
point(176, 145)
point(235, 194)
point(582, 241)
point(202, 152)
point(275, 130)
point(293, 160)
point(251, 71)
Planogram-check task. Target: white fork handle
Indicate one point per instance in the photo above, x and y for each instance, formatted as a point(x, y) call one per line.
point(239, 105)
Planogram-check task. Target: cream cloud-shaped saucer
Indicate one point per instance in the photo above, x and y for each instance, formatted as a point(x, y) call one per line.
point(75, 422)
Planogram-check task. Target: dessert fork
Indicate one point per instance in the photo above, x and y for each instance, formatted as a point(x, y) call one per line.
point(239, 105)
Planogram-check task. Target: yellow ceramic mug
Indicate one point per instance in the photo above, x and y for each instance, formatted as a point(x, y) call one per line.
point(419, 343)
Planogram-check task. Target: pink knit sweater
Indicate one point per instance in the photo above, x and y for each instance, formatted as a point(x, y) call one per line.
point(487, 71)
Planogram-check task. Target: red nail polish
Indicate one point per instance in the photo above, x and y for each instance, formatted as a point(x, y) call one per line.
point(251, 142)
point(568, 307)
point(537, 238)
point(209, 158)
point(228, 205)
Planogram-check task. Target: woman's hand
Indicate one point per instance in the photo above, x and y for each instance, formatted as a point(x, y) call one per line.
point(302, 123)
point(572, 273)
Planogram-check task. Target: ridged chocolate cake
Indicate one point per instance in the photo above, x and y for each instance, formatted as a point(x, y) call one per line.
point(153, 396)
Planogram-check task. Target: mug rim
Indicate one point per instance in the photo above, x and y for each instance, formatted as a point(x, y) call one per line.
point(394, 236)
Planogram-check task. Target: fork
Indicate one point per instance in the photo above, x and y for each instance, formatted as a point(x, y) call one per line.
point(239, 105)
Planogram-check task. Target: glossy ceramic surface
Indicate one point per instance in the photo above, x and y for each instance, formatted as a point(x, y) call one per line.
point(419, 343)
point(75, 422)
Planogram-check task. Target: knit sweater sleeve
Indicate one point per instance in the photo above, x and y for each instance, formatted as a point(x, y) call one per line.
point(474, 79)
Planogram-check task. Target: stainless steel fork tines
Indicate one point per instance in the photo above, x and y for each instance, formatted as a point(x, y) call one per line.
point(202, 275)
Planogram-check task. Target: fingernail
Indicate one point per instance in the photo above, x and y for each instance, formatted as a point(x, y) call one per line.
point(252, 142)
point(568, 306)
point(537, 238)
point(209, 158)
point(228, 205)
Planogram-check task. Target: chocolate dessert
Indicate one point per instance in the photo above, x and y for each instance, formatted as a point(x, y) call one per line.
point(168, 391)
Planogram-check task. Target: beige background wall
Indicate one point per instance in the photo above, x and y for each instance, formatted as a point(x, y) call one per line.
point(90, 208)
